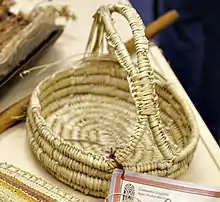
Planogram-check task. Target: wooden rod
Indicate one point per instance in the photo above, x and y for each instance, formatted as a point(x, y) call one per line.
point(13, 114)
point(155, 28)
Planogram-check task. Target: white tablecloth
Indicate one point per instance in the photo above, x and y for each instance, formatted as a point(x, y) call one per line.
point(14, 149)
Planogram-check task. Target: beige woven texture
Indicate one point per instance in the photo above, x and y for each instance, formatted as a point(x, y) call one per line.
point(17, 185)
point(108, 112)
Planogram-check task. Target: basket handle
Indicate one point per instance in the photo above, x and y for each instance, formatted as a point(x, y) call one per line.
point(140, 77)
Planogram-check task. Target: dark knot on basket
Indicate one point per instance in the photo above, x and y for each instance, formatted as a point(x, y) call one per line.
point(119, 166)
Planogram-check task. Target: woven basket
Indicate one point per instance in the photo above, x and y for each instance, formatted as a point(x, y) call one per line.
point(107, 113)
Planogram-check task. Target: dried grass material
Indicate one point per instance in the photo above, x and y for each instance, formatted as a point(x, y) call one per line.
point(10, 25)
point(107, 113)
point(20, 35)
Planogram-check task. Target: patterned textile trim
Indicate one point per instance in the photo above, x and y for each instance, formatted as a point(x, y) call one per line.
point(17, 185)
point(7, 190)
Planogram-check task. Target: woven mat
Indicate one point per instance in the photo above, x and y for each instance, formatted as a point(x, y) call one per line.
point(17, 185)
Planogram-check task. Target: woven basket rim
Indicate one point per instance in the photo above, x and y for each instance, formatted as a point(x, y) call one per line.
point(169, 85)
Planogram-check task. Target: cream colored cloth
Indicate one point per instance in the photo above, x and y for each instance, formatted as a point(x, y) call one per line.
point(14, 148)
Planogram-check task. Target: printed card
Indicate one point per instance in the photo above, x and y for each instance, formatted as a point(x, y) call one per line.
point(135, 187)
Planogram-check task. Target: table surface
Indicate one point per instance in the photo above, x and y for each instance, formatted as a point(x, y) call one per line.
point(14, 149)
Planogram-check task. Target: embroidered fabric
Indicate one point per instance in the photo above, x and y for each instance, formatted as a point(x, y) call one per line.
point(18, 185)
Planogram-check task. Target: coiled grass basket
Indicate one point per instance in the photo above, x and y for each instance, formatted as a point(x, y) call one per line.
point(108, 112)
